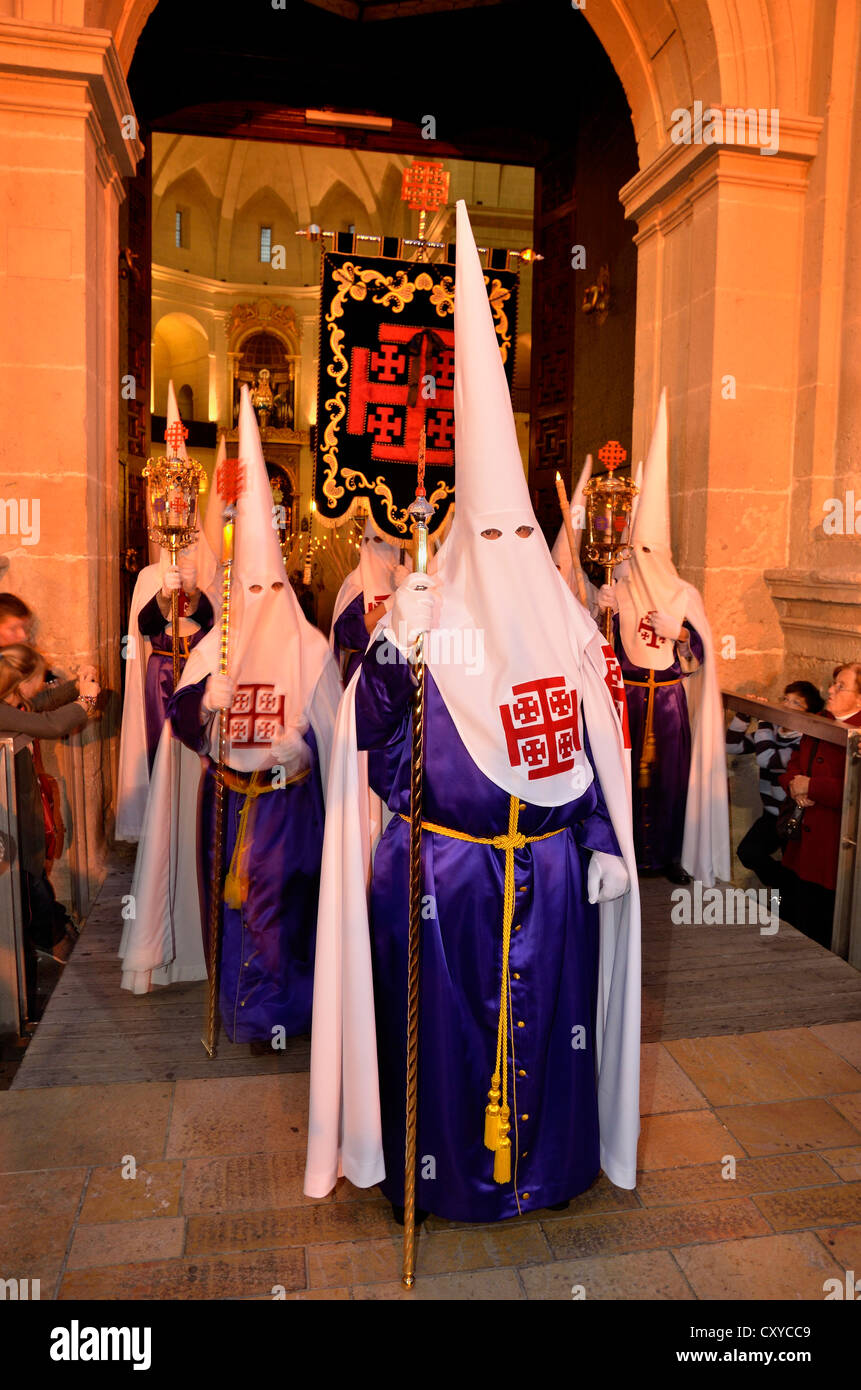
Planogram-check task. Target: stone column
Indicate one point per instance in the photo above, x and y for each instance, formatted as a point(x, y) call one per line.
point(721, 244)
point(67, 138)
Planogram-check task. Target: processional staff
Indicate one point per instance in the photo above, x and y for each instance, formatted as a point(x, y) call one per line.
point(230, 484)
point(420, 511)
point(174, 484)
point(609, 502)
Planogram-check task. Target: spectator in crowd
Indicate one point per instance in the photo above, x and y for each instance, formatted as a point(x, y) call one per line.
point(15, 620)
point(22, 670)
point(772, 748)
point(814, 778)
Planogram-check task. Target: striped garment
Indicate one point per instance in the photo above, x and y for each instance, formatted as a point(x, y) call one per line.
point(773, 751)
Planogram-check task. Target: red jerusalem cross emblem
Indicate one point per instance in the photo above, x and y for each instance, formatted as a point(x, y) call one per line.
point(541, 729)
point(388, 400)
point(615, 683)
point(255, 716)
point(647, 632)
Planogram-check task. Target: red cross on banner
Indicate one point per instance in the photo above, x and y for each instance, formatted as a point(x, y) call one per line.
point(541, 727)
point(384, 406)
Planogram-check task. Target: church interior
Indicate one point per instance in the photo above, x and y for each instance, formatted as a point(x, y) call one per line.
point(178, 191)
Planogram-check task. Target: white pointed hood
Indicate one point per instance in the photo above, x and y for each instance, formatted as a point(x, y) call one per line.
point(561, 552)
point(650, 581)
point(517, 710)
point(374, 575)
point(276, 656)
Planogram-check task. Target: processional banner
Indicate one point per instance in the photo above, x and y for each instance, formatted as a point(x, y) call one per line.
point(387, 372)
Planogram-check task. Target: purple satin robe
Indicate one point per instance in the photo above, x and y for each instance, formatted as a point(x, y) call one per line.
point(351, 637)
point(659, 809)
point(267, 947)
point(158, 685)
point(553, 969)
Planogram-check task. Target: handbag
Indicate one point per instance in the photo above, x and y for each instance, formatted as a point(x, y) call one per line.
point(790, 819)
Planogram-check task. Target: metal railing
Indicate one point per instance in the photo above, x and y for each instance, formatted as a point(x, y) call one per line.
point(13, 988)
point(846, 924)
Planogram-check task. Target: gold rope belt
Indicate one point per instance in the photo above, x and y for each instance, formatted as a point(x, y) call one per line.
point(649, 745)
point(236, 882)
point(496, 1115)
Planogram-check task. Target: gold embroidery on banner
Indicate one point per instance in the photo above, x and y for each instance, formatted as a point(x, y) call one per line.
point(394, 292)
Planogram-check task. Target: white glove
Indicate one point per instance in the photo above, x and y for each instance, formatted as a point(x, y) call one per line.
point(219, 693)
point(414, 610)
point(665, 625)
point(188, 573)
point(290, 750)
point(606, 877)
point(170, 580)
point(400, 576)
point(607, 598)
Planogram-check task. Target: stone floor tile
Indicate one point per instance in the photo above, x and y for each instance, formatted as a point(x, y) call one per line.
point(61, 1126)
point(663, 1084)
point(676, 1141)
point(37, 1212)
point(705, 1182)
point(246, 1182)
point(226, 1276)
point(645, 1274)
point(319, 1295)
point(126, 1242)
point(485, 1286)
point(445, 1252)
point(849, 1106)
point(846, 1162)
point(772, 1267)
point(785, 1126)
point(306, 1225)
point(783, 1064)
point(653, 1229)
point(844, 1038)
point(844, 1243)
point(837, 1205)
point(153, 1191)
point(240, 1115)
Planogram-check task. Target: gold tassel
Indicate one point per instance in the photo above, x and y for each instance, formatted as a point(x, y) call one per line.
point(649, 743)
point(491, 1115)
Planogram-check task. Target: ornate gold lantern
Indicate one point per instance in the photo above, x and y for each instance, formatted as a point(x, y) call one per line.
point(173, 487)
point(609, 501)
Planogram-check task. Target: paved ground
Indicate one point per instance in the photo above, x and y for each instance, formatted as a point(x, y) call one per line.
point(188, 1183)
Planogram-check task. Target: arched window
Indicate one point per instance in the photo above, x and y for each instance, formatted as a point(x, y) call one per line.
point(185, 401)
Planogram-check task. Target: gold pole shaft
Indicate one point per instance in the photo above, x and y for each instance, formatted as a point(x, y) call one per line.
point(608, 612)
point(174, 618)
point(408, 1277)
point(217, 887)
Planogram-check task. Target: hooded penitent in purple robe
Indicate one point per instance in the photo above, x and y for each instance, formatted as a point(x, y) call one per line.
point(158, 688)
point(659, 806)
point(553, 967)
point(528, 995)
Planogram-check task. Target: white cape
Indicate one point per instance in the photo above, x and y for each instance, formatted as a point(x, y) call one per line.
point(163, 942)
point(133, 775)
point(706, 846)
point(344, 1126)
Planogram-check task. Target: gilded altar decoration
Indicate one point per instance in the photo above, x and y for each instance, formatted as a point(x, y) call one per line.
point(387, 374)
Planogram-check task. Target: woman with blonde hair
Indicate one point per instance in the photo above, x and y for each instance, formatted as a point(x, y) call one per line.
point(22, 672)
